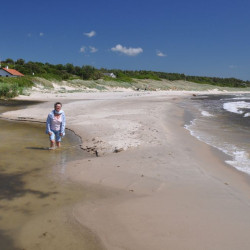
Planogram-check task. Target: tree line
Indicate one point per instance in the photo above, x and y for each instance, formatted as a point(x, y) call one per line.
point(87, 72)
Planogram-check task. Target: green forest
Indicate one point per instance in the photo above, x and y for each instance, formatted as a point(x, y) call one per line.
point(12, 87)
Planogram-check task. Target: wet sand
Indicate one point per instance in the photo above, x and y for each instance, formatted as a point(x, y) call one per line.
point(156, 186)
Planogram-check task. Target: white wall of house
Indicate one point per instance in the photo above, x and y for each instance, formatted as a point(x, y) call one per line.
point(110, 75)
point(3, 73)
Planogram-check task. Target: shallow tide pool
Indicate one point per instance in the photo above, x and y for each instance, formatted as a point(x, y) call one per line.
point(35, 196)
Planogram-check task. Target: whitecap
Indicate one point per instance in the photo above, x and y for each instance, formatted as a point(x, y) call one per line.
point(235, 107)
point(240, 158)
point(241, 98)
point(240, 161)
point(205, 113)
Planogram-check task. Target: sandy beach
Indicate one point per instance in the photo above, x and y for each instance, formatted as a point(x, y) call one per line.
point(158, 187)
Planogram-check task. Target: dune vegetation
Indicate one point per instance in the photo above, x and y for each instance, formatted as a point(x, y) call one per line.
point(88, 77)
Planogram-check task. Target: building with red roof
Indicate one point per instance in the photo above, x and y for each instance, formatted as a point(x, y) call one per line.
point(6, 72)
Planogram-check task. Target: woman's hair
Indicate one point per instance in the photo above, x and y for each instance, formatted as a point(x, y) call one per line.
point(57, 104)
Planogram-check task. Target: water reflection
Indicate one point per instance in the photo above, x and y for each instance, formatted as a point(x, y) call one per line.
point(6, 242)
point(38, 148)
point(13, 186)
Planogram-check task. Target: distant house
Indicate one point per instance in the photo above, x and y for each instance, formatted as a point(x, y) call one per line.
point(6, 72)
point(110, 75)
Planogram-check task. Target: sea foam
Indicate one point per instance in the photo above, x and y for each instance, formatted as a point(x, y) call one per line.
point(236, 107)
point(240, 161)
point(240, 158)
point(206, 114)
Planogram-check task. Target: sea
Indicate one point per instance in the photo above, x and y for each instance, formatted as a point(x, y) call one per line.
point(223, 121)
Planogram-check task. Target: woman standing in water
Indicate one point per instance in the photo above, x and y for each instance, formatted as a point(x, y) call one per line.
point(55, 125)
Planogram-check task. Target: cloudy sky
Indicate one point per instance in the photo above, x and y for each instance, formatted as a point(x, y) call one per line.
point(195, 37)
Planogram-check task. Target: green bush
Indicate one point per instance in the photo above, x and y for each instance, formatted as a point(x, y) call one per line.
point(9, 90)
point(20, 81)
point(50, 76)
point(14, 86)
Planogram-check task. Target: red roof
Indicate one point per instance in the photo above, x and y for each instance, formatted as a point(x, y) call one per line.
point(13, 72)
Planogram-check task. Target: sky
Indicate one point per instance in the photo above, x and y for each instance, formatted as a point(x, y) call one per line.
point(194, 37)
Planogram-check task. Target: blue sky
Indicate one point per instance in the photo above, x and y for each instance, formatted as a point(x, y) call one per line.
point(194, 37)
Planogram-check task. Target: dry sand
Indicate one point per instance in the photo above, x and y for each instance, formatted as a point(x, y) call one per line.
point(159, 187)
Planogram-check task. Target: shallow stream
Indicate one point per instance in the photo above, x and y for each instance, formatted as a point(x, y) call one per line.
point(35, 196)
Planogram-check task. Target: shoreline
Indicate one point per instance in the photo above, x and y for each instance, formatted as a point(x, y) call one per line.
point(163, 189)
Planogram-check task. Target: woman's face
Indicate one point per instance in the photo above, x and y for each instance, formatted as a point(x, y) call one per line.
point(58, 107)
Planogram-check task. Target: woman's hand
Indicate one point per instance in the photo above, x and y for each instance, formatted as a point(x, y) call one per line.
point(61, 134)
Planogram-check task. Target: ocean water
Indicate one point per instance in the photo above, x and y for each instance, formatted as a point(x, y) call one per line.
point(223, 121)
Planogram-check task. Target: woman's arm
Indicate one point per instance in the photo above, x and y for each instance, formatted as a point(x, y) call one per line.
point(48, 125)
point(63, 124)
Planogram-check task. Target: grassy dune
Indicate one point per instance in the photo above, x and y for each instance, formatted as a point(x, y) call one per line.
point(12, 87)
point(139, 85)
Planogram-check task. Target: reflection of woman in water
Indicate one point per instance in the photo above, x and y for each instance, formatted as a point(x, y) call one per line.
point(55, 125)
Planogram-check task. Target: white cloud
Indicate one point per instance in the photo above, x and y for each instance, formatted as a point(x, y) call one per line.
point(159, 53)
point(90, 34)
point(127, 51)
point(232, 66)
point(41, 34)
point(83, 49)
point(90, 49)
point(93, 49)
